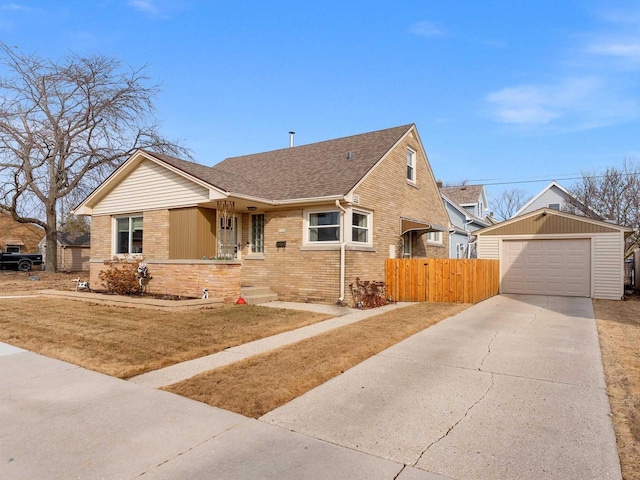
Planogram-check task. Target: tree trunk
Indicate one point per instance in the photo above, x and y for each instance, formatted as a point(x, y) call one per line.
point(51, 233)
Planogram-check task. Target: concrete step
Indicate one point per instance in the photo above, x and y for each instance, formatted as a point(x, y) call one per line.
point(258, 295)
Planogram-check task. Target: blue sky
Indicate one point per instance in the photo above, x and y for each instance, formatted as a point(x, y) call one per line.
point(501, 91)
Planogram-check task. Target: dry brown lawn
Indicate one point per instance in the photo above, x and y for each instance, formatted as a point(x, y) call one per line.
point(619, 332)
point(262, 383)
point(13, 283)
point(124, 342)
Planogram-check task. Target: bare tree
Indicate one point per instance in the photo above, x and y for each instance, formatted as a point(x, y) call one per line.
point(507, 203)
point(64, 126)
point(613, 196)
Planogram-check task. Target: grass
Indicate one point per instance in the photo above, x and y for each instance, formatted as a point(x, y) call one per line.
point(619, 331)
point(262, 383)
point(124, 342)
point(13, 282)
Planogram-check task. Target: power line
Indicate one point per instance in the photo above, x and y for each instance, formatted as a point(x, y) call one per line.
point(488, 181)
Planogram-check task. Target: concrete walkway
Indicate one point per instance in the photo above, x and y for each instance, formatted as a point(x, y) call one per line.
point(510, 388)
point(182, 371)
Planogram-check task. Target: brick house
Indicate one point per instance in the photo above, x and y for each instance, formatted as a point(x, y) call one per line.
point(305, 221)
point(16, 237)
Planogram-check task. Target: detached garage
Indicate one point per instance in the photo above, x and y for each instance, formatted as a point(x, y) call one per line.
point(548, 252)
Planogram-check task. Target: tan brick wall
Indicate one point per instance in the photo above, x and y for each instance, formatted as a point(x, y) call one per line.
point(185, 278)
point(387, 192)
point(155, 240)
point(292, 273)
point(302, 275)
point(155, 224)
point(101, 237)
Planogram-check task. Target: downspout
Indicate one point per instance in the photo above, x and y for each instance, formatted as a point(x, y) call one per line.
point(343, 244)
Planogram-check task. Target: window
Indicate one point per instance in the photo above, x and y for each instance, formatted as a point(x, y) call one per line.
point(12, 248)
point(407, 244)
point(360, 227)
point(554, 206)
point(434, 237)
point(129, 235)
point(257, 233)
point(411, 165)
point(324, 226)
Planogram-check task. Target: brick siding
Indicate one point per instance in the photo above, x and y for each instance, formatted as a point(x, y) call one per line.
point(186, 278)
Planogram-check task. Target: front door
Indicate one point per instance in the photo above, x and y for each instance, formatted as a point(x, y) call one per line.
point(230, 235)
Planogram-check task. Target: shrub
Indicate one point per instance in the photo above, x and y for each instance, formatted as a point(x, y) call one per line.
point(121, 278)
point(369, 294)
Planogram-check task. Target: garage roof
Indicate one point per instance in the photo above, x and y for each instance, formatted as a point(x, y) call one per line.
point(545, 221)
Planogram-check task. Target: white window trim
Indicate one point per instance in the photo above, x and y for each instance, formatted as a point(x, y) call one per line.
point(306, 224)
point(369, 214)
point(114, 237)
point(435, 242)
point(414, 157)
point(12, 247)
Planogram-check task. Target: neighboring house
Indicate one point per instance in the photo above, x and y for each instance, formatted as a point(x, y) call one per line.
point(305, 221)
point(548, 252)
point(553, 196)
point(73, 251)
point(466, 206)
point(17, 237)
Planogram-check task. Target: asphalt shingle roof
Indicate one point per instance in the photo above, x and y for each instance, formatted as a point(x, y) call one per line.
point(463, 194)
point(322, 169)
point(68, 239)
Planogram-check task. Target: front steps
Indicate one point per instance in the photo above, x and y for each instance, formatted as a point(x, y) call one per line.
point(257, 295)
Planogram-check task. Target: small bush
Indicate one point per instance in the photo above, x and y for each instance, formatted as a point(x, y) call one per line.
point(121, 279)
point(369, 294)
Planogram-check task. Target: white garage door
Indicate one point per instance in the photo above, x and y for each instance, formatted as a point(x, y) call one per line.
point(547, 267)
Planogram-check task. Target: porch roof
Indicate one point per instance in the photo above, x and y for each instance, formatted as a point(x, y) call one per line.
point(407, 225)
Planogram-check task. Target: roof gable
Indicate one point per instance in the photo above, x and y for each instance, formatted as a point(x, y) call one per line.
point(454, 206)
point(545, 221)
point(316, 171)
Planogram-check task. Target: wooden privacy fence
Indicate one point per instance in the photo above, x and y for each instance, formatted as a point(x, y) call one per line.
point(442, 280)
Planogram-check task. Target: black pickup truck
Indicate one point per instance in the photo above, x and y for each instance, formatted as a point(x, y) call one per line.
point(21, 261)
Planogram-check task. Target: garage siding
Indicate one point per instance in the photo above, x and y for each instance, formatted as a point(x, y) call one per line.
point(607, 271)
point(489, 247)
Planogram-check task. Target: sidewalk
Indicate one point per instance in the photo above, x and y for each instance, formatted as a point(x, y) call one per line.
point(181, 371)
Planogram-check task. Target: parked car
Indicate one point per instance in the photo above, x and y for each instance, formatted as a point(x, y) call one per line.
point(20, 261)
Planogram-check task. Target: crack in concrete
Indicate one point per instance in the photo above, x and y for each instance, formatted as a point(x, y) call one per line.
point(192, 447)
point(401, 470)
point(488, 350)
point(456, 423)
point(535, 317)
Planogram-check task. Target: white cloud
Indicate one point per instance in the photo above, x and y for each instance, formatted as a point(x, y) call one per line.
point(629, 50)
point(18, 8)
point(569, 104)
point(427, 29)
point(144, 5)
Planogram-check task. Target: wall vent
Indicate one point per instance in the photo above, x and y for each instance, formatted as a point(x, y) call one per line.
point(356, 199)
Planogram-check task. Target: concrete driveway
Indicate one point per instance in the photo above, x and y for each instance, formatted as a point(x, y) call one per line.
point(510, 388)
